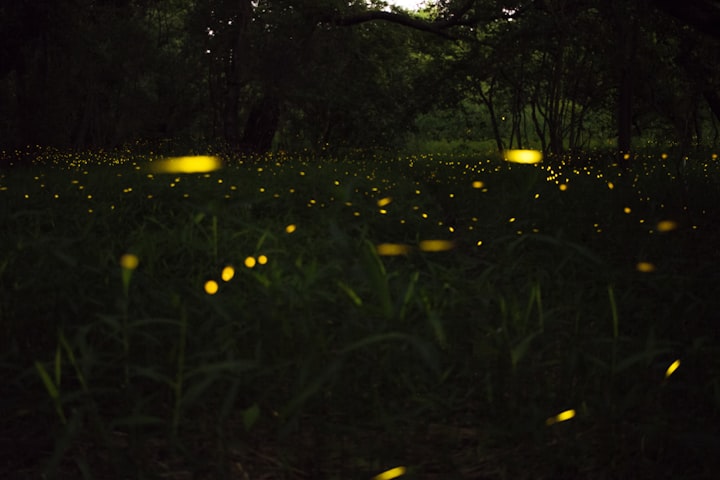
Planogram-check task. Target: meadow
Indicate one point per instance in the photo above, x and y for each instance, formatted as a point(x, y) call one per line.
point(424, 317)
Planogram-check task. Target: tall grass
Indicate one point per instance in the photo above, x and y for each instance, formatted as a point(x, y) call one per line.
point(321, 357)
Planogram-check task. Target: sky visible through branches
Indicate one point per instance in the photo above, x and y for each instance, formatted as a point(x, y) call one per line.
point(406, 4)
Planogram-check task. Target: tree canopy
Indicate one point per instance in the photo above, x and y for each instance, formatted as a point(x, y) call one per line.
point(330, 76)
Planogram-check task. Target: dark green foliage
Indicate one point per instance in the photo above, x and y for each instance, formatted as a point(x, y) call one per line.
point(330, 361)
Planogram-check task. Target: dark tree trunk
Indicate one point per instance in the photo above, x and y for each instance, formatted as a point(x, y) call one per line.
point(261, 125)
point(628, 49)
point(713, 99)
point(233, 75)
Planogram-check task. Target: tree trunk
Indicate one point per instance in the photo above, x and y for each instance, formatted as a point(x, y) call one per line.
point(233, 75)
point(628, 49)
point(713, 99)
point(261, 125)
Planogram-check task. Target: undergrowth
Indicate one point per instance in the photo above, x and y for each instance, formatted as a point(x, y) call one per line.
point(552, 289)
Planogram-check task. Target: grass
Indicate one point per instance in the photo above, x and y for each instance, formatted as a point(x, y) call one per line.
point(533, 342)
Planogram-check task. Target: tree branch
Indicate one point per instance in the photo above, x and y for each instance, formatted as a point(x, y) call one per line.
point(437, 27)
point(701, 14)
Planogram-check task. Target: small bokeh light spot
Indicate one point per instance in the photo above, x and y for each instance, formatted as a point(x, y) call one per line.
point(250, 262)
point(290, 228)
point(129, 261)
point(228, 273)
point(211, 287)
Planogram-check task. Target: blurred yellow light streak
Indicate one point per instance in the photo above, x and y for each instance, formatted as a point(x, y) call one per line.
point(560, 417)
point(523, 156)
point(671, 369)
point(392, 249)
point(191, 164)
point(390, 474)
point(666, 226)
point(383, 202)
point(645, 267)
point(436, 245)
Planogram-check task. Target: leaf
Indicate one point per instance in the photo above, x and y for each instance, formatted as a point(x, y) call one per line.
point(378, 277)
point(250, 416)
point(350, 293)
point(518, 351)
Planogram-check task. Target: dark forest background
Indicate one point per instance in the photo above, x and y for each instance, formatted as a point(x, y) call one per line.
point(333, 76)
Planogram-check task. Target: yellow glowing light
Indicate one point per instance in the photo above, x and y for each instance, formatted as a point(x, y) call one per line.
point(383, 202)
point(211, 287)
point(391, 249)
point(228, 273)
point(664, 156)
point(560, 417)
point(627, 210)
point(523, 156)
point(290, 228)
point(129, 261)
point(645, 267)
point(666, 225)
point(262, 259)
point(478, 184)
point(671, 369)
point(562, 187)
point(611, 185)
point(626, 156)
point(250, 262)
point(436, 245)
point(390, 474)
point(193, 164)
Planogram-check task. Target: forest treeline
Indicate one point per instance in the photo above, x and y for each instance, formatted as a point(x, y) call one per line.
point(332, 76)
